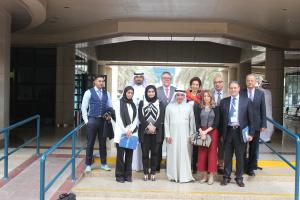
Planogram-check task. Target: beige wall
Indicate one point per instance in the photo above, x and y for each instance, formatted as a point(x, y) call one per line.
point(5, 34)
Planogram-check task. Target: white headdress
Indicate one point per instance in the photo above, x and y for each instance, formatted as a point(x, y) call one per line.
point(145, 82)
point(173, 100)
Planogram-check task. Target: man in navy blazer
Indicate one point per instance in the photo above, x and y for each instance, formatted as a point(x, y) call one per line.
point(257, 98)
point(235, 115)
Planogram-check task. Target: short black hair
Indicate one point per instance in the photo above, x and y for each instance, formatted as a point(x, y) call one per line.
point(99, 76)
point(195, 79)
point(235, 82)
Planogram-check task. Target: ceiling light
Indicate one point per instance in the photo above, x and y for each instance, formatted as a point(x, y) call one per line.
point(284, 9)
point(66, 7)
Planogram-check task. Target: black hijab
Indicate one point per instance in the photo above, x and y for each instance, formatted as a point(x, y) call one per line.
point(150, 100)
point(123, 107)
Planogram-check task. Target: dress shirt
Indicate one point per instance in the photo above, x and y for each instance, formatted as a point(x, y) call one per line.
point(85, 102)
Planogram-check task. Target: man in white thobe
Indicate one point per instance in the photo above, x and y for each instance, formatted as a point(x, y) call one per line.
point(179, 126)
point(139, 84)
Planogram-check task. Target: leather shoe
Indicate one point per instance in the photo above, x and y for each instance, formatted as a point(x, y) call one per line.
point(128, 179)
point(240, 183)
point(251, 173)
point(120, 180)
point(225, 181)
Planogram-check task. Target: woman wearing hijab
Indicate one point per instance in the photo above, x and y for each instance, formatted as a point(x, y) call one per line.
point(126, 122)
point(150, 130)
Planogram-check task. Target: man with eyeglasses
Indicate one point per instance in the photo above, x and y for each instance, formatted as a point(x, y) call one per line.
point(218, 94)
point(164, 94)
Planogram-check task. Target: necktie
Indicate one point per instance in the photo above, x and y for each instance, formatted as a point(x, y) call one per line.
point(167, 92)
point(219, 98)
point(251, 94)
point(99, 94)
point(232, 111)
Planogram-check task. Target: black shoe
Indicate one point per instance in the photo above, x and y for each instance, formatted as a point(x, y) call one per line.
point(120, 179)
point(240, 182)
point(225, 181)
point(128, 179)
point(251, 173)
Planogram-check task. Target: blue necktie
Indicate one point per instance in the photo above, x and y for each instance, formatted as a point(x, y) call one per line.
point(232, 108)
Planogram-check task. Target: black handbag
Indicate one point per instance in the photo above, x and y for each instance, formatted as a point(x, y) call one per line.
point(198, 141)
point(67, 196)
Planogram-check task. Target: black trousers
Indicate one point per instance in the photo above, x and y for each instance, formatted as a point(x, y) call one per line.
point(95, 128)
point(159, 156)
point(194, 158)
point(220, 152)
point(251, 162)
point(150, 145)
point(124, 165)
point(233, 144)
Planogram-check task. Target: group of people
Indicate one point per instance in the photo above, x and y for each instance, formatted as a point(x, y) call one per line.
point(228, 123)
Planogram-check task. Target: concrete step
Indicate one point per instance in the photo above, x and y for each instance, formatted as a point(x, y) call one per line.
point(102, 185)
point(267, 174)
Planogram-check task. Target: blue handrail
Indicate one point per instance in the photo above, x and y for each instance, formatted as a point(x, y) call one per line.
point(73, 134)
point(297, 167)
point(6, 130)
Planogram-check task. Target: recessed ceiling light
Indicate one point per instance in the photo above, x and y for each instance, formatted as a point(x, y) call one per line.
point(66, 7)
point(284, 9)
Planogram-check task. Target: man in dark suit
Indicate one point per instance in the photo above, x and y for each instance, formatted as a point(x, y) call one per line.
point(257, 98)
point(164, 94)
point(236, 114)
point(219, 93)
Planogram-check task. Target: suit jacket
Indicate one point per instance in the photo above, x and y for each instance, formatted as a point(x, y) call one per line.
point(225, 94)
point(197, 112)
point(259, 108)
point(245, 115)
point(162, 97)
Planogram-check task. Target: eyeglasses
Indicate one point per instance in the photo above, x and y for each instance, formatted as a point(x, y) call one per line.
point(218, 81)
point(166, 78)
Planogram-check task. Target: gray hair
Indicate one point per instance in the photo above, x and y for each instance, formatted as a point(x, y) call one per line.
point(166, 73)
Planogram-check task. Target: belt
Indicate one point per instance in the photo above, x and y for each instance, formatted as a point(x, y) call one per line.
point(234, 127)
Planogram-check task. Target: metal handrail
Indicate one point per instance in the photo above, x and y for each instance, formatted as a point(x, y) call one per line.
point(6, 130)
point(297, 167)
point(73, 134)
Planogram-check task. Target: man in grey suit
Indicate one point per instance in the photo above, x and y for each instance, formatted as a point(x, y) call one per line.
point(257, 98)
point(164, 94)
point(218, 94)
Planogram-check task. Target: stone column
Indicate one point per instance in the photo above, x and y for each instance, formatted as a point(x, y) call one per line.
point(275, 75)
point(243, 70)
point(65, 73)
point(232, 74)
point(92, 67)
point(5, 41)
point(225, 79)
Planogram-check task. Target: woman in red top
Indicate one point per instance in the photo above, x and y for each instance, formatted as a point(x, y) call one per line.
point(194, 96)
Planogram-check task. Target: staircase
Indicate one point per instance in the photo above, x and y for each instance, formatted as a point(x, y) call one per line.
point(274, 182)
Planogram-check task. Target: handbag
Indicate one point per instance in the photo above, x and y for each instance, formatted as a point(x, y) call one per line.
point(67, 196)
point(198, 141)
